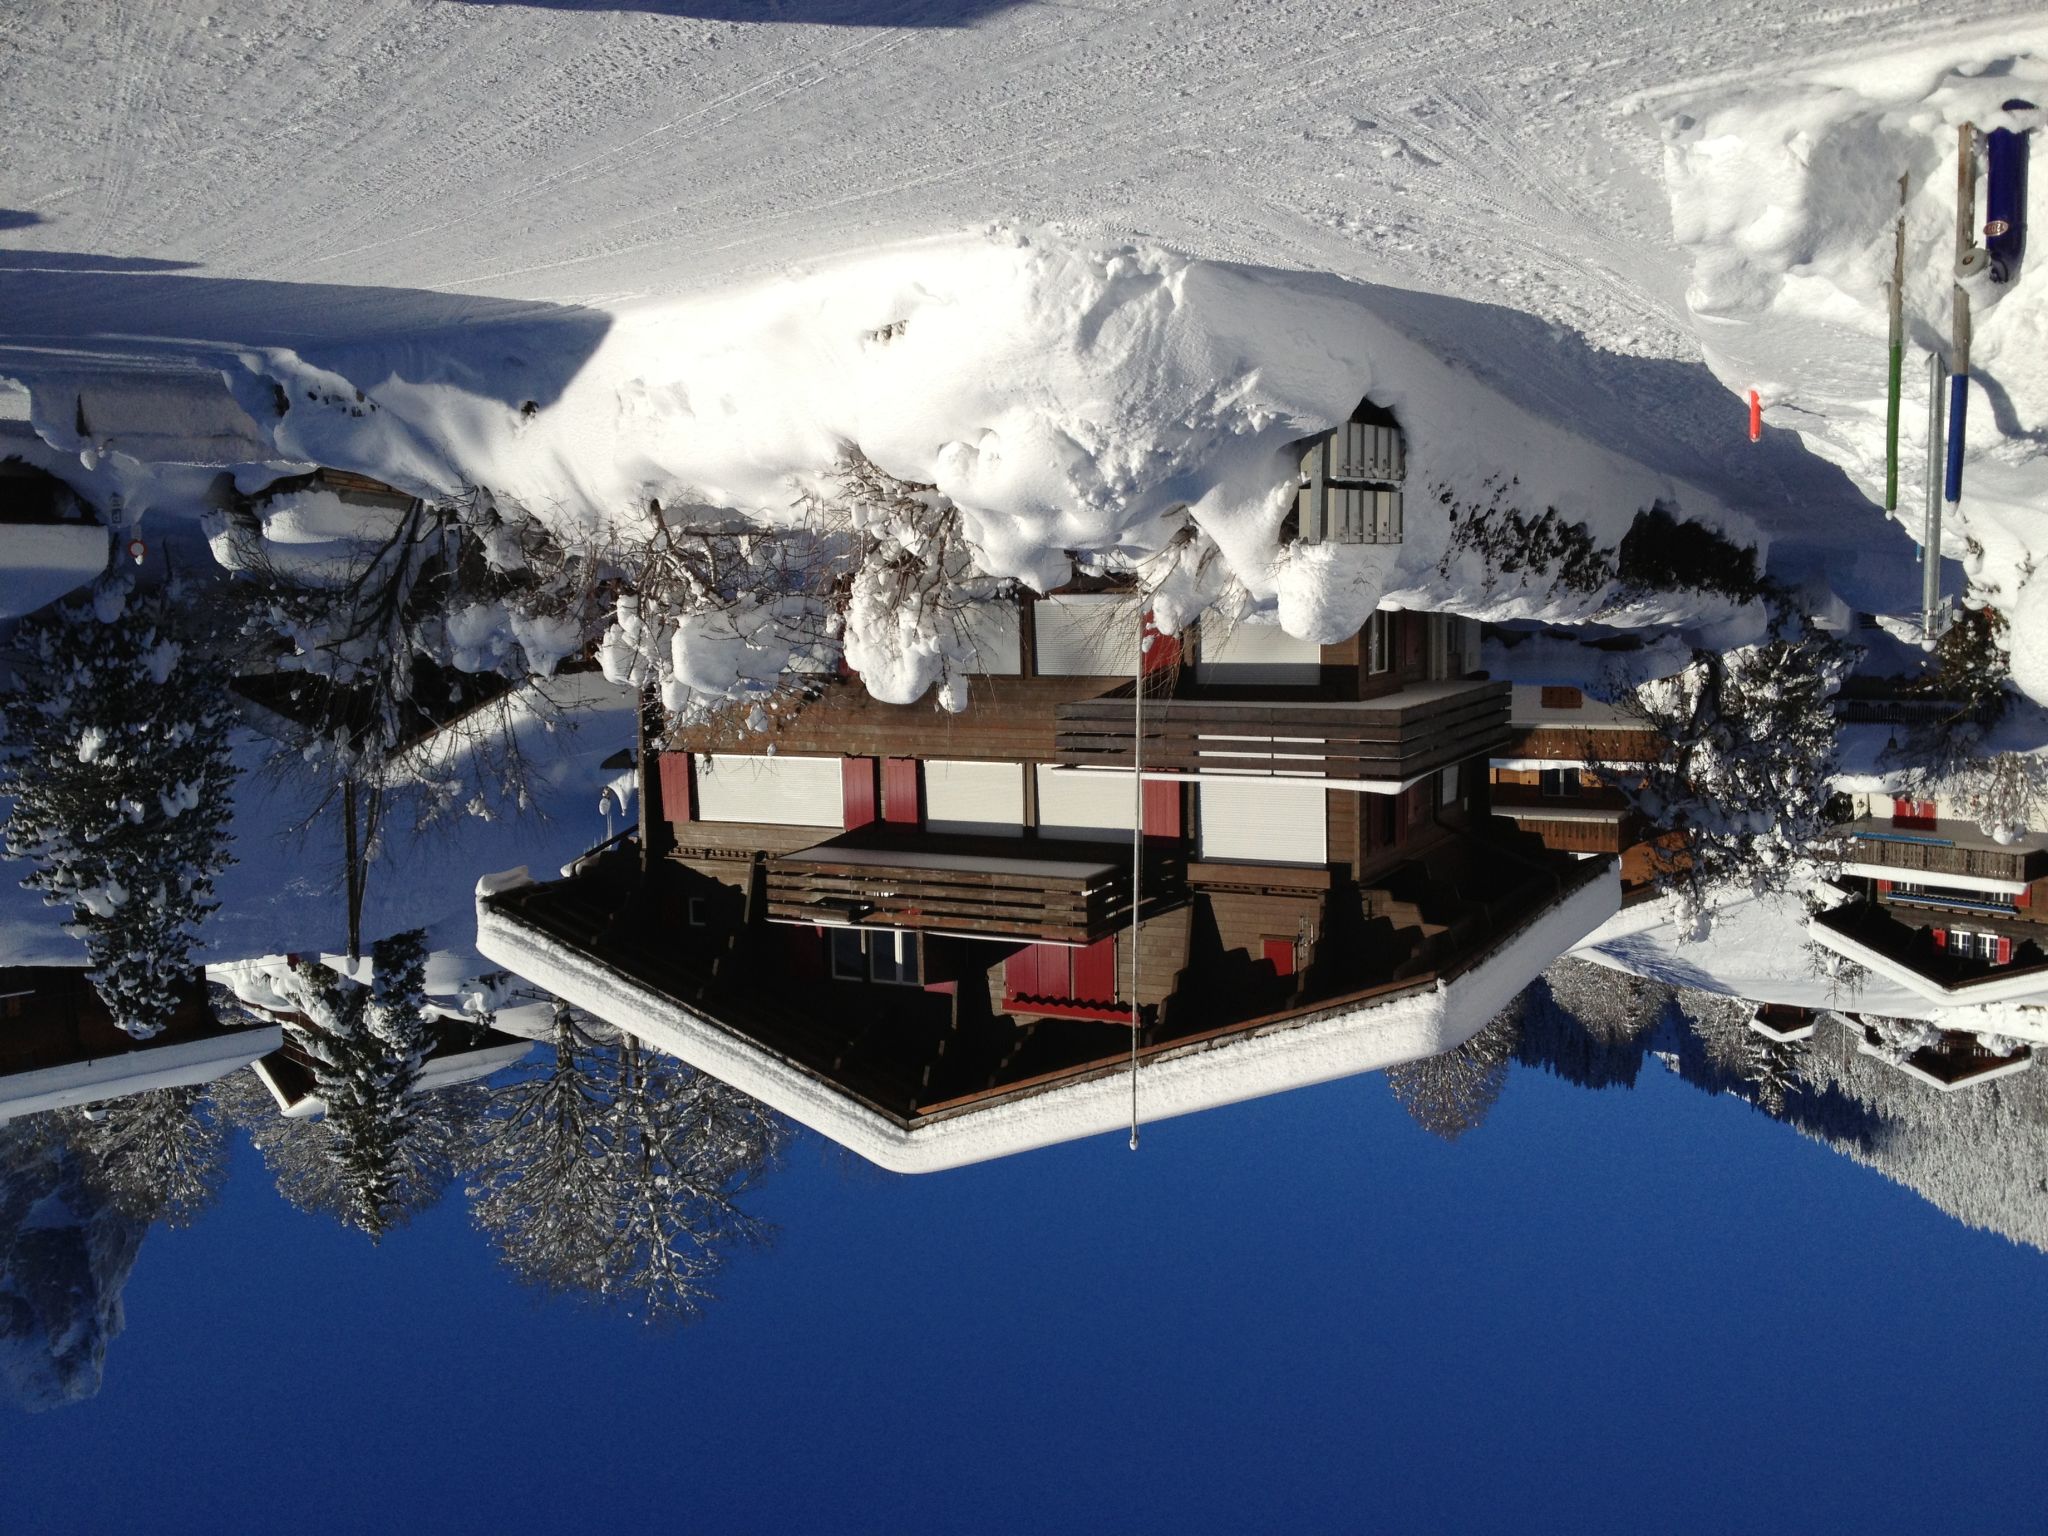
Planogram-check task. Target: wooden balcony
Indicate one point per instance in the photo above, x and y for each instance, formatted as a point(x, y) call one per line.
point(1945, 850)
point(1381, 743)
point(1017, 888)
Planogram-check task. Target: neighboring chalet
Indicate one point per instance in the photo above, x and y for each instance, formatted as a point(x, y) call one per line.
point(1951, 1060)
point(461, 1054)
point(60, 1047)
point(1940, 906)
point(50, 544)
point(914, 931)
point(1556, 779)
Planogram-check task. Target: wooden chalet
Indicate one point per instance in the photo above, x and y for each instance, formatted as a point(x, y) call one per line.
point(926, 934)
point(60, 1047)
point(1940, 905)
point(1559, 779)
point(1953, 1060)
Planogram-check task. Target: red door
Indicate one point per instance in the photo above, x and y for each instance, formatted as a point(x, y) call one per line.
point(1281, 953)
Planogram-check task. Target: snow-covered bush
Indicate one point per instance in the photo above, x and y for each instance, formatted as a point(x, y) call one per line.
point(116, 759)
point(911, 581)
point(714, 614)
point(159, 1156)
point(1746, 742)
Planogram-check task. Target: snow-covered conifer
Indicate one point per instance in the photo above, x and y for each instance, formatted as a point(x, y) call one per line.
point(1746, 745)
point(116, 759)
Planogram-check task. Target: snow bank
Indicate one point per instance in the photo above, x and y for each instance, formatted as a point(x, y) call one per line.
point(1066, 397)
point(1784, 192)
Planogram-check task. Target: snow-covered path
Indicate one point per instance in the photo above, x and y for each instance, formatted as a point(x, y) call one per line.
point(588, 152)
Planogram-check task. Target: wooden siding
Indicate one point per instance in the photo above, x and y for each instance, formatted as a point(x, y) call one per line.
point(1577, 836)
point(1582, 744)
point(1007, 719)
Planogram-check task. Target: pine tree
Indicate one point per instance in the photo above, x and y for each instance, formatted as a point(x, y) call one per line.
point(378, 1155)
point(1746, 742)
point(116, 757)
point(1452, 1093)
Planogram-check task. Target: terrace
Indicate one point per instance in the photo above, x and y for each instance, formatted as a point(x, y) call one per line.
point(970, 886)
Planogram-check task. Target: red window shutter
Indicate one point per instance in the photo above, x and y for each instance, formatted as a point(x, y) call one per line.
point(1095, 973)
point(1162, 801)
point(2005, 951)
point(2025, 897)
point(1902, 810)
point(1281, 953)
point(1884, 887)
point(1160, 651)
point(803, 951)
point(857, 782)
point(677, 804)
point(901, 802)
point(1040, 970)
point(1941, 938)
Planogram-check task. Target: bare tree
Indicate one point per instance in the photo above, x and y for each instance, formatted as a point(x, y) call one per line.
point(159, 1156)
point(1452, 1093)
point(616, 1173)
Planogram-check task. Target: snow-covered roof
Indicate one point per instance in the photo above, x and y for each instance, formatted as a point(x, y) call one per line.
point(40, 562)
point(1527, 711)
point(139, 1070)
point(1316, 1046)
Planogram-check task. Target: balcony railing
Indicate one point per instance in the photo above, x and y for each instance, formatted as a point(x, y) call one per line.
point(1917, 853)
point(1381, 741)
point(999, 887)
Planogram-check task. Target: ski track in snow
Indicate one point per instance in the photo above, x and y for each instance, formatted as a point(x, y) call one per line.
point(1469, 149)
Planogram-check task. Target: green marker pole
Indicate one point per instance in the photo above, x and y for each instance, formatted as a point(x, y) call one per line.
point(1898, 353)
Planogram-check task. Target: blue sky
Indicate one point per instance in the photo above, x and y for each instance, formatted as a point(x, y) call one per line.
point(1629, 1311)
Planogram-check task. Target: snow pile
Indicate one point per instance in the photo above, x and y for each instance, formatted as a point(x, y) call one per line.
point(1784, 192)
point(1064, 398)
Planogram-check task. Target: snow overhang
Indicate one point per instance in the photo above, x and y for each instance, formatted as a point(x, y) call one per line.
point(1937, 880)
point(2021, 1061)
point(147, 1067)
point(1319, 1045)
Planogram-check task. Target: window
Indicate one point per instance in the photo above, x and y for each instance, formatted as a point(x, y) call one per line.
point(1913, 813)
point(885, 955)
point(892, 958)
point(1560, 783)
point(1380, 642)
point(849, 955)
point(1563, 698)
point(1966, 945)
